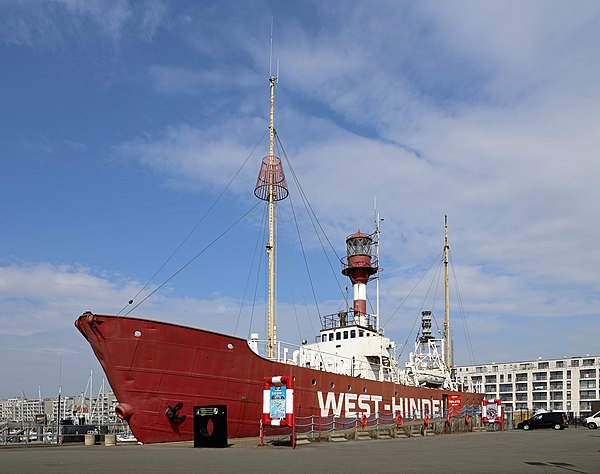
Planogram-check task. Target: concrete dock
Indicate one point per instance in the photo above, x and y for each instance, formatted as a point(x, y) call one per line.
point(541, 451)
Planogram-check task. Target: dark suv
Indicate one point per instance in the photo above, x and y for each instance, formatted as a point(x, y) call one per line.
point(553, 419)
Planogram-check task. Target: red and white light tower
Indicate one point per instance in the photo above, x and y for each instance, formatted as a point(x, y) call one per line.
point(359, 268)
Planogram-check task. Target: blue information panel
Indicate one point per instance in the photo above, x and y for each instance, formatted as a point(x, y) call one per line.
point(277, 397)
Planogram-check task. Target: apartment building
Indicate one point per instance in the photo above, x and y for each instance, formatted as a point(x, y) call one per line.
point(569, 384)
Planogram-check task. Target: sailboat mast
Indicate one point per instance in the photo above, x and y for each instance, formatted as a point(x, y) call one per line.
point(271, 337)
point(446, 297)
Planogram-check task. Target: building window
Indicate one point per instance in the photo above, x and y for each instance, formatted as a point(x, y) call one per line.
point(490, 379)
point(587, 394)
point(587, 373)
point(539, 405)
point(585, 384)
point(521, 387)
point(543, 365)
point(560, 364)
point(575, 363)
point(556, 375)
point(510, 377)
point(521, 378)
point(585, 406)
point(588, 362)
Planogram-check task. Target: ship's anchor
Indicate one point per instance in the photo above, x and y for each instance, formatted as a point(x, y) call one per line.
point(172, 413)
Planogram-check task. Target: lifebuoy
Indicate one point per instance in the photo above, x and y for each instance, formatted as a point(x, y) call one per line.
point(363, 420)
point(399, 419)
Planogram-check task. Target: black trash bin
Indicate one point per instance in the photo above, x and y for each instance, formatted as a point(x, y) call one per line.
point(210, 426)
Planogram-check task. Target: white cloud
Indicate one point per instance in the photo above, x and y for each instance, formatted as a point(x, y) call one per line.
point(486, 112)
point(60, 25)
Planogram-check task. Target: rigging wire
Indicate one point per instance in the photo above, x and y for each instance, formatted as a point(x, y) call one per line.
point(437, 277)
point(301, 287)
point(214, 203)
point(469, 344)
point(312, 286)
point(189, 262)
point(313, 219)
point(260, 236)
point(412, 291)
point(404, 345)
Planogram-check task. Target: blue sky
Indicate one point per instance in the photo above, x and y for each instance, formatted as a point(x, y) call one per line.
point(123, 121)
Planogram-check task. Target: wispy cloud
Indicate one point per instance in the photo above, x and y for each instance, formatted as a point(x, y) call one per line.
point(59, 25)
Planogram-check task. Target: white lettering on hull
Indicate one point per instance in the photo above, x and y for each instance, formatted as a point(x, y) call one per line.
point(351, 404)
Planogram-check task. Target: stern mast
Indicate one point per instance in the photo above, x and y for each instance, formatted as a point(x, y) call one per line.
point(446, 298)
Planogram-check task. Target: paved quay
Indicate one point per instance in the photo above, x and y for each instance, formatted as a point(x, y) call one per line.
point(543, 451)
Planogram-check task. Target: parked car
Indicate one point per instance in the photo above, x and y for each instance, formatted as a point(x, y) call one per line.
point(592, 422)
point(551, 419)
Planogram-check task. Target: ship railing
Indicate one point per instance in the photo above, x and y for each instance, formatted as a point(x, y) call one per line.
point(348, 318)
point(303, 356)
point(320, 428)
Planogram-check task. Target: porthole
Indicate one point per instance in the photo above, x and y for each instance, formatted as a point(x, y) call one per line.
point(364, 389)
point(395, 394)
point(137, 333)
point(332, 385)
point(349, 387)
point(314, 382)
point(230, 346)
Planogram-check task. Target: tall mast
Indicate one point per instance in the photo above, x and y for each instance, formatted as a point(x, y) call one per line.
point(271, 187)
point(271, 244)
point(376, 242)
point(446, 297)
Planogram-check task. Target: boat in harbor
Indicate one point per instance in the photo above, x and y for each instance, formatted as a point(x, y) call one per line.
point(159, 371)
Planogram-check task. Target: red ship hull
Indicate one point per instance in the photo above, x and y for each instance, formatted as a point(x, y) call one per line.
point(153, 365)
